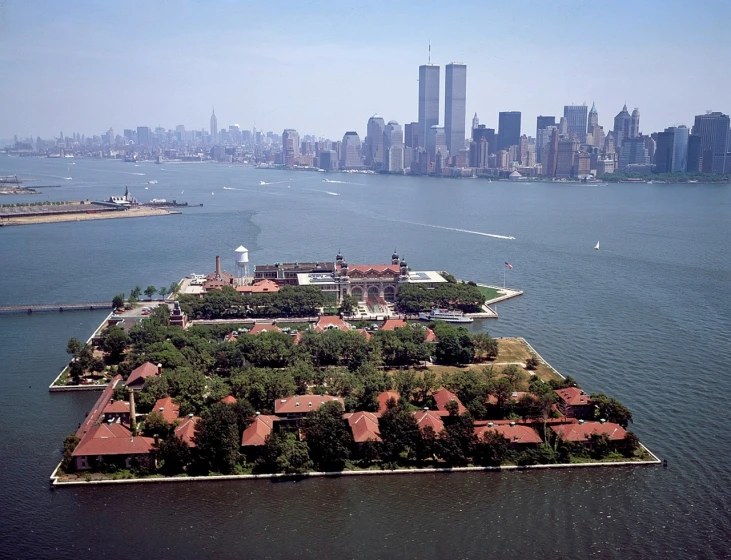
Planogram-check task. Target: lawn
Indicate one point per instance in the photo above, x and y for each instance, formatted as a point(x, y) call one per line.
point(489, 293)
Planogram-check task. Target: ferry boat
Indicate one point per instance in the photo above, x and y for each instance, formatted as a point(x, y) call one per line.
point(437, 314)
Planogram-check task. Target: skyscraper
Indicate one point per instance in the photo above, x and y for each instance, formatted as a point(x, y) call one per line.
point(436, 142)
point(144, 136)
point(633, 152)
point(374, 155)
point(508, 129)
point(475, 122)
point(393, 147)
point(428, 100)
point(713, 129)
point(543, 134)
point(664, 150)
point(290, 146)
point(593, 119)
point(576, 121)
point(621, 127)
point(350, 151)
point(634, 124)
point(680, 149)
point(551, 153)
point(455, 109)
point(214, 127)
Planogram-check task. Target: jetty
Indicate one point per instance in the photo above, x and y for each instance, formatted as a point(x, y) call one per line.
point(53, 307)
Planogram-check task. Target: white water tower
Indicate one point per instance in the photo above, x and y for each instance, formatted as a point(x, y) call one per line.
point(242, 264)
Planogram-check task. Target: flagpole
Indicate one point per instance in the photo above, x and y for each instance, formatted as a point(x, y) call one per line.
point(504, 268)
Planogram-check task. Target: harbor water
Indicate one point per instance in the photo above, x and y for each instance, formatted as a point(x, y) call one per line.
point(645, 319)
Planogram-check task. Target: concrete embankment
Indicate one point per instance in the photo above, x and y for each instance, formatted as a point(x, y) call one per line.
point(81, 215)
point(56, 482)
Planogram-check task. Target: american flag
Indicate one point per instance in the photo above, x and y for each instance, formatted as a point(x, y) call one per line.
point(508, 265)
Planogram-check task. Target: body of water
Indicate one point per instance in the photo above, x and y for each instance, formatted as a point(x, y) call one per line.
point(645, 319)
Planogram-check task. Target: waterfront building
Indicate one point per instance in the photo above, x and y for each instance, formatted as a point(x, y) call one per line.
point(575, 403)
point(671, 153)
point(502, 160)
point(214, 127)
point(436, 142)
point(715, 142)
point(575, 116)
point(478, 153)
point(374, 151)
point(584, 432)
point(328, 160)
point(621, 127)
point(285, 274)
point(350, 151)
point(290, 146)
point(609, 144)
point(455, 101)
point(566, 157)
point(605, 166)
point(428, 100)
point(393, 147)
point(543, 134)
point(680, 149)
point(144, 138)
point(582, 164)
point(488, 134)
point(633, 152)
point(508, 129)
point(650, 147)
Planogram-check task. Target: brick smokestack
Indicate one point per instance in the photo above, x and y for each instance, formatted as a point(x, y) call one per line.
point(218, 265)
point(132, 413)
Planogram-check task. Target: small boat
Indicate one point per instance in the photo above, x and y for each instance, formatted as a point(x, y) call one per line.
point(596, 246)
point(448, 316)
point(153, 182)
point(212, 193)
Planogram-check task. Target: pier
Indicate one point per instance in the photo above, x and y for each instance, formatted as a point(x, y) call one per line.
point(50, 307)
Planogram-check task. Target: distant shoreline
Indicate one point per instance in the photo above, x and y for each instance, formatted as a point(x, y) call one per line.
point(82, 216)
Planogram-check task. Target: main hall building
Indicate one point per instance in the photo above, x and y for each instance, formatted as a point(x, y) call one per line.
point(363, 281)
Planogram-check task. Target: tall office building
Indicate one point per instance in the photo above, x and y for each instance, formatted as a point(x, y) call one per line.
point(508, 129)
point(144, 138)
point(633, 152)
point(411, 135)
point(593, 119)
point(664, 150)
point(713, 129)
point(575, 116)
point(550, 157)
point(680, 149)
point(393, 147)
point(350, 151)
point(290, 146)
point(428, 100)
point(455, 106)
point(694, 154)
point(634, 124)
point(214, 127)
point(436, 142)
point(479, 153)
point(374, 153)
point(621, 127)
point(475, 122)
point(543, 134)
point(488, 134)
point(566, 157)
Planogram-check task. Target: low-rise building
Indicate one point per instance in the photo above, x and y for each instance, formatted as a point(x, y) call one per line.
point(297, 407)
point(583, 432)
point(117, 411)
point(137, 378)
point(112, 442)
point(575, 403)
point(256, 434)
point(185, 430)
point(518, 436)
point(364, 426)
point(429, 418)
point(442, 397)
point(167, 408)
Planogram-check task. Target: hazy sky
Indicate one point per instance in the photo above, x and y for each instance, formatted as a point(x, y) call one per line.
point(325, 67)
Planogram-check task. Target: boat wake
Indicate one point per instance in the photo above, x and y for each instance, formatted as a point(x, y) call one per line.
point(495, 235)
point(68, 178)
point(334, 181)
point(331, 193)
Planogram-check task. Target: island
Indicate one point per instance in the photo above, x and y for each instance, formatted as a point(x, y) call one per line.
point(280, 380)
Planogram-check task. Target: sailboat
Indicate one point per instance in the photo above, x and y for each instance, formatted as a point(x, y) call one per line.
point(597, 246)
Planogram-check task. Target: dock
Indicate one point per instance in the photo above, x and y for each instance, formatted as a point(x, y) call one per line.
point(53, 307)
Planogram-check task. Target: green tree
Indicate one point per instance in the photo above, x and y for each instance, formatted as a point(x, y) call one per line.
point(491, 450)
point(156, 425)
point(531, 363)
point(69, 444)
point(74, 346)
point(399, 432)
point(457, 441)
point(486, 347)
point(501, 389)
point(118, 301)
point(115, 342)
point(515, 375)
point(135, 293)
point(174, 287)
point(327, 437)
point(150, 291)
point(163, 291)
point(455, 344)
point(348, 305)
point(174, 455)
point(217, 438)
point(610, 409)
point(284, 453)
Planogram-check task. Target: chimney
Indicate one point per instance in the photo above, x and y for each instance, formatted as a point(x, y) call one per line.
point(132, 413)
point(218, 266)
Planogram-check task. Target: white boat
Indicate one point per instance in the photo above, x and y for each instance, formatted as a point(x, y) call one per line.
point(597, 246)
point(437, 314)
point(153, 182)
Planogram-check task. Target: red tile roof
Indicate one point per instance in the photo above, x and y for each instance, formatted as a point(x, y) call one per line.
point(392, 324)
point(364, 426)
point(383, 399)
point(139, 374)
point(112, 439)
point(117, 407)
point(260, 287)
point(98, 408)
point(167, 408)
point(442, 397)
point(516, 434)
point(430, 336)
point(431, 418)
point(259, 328)
point(302, 403)
point(377, 269)
point(186, 430)
point(583, 432)
point(331, 322)
point(258, 430)
point(229, 399)
point(573, 396)
point(365, 333)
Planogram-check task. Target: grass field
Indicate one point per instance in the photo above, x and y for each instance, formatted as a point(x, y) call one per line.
point(489, 293)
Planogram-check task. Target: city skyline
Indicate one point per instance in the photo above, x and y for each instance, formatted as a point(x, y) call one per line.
point(84, 72)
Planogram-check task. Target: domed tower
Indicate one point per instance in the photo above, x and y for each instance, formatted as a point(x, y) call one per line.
point(404, 269)
point(339, 258)
point(394, 257)
point(343, 269)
